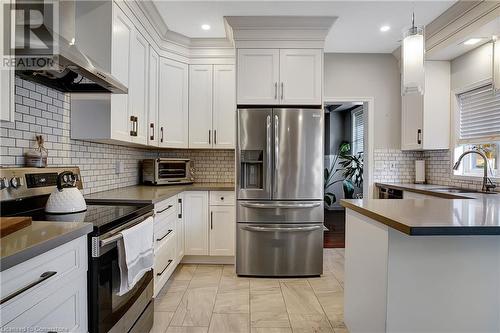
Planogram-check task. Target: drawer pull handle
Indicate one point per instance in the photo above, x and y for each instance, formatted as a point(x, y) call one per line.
point(163, 210)
point(163, 270)
point(43, 277)
point(168, 232)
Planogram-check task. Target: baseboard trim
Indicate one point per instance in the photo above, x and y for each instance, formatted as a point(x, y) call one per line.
point(213, 260)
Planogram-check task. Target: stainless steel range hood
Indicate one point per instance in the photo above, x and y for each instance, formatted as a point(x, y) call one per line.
point(71, 69)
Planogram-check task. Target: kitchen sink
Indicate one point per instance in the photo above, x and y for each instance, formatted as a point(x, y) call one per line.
point(458, 190)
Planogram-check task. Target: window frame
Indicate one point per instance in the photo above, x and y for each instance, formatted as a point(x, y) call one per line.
point(358, 110)
point(460, 174)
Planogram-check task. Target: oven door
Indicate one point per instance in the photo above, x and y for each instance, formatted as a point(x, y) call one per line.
point(171, 171)
point(109, 312)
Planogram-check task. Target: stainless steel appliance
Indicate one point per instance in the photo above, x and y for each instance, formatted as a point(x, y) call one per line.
point(389, 193)
point(164, 171)
point(280, 192)
point(25, 192)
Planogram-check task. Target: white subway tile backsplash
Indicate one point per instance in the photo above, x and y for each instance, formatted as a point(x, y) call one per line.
point(40, 110)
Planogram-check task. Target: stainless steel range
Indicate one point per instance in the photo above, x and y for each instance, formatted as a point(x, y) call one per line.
point(280, 192)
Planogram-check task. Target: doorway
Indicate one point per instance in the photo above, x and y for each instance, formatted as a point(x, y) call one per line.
point(345, 138)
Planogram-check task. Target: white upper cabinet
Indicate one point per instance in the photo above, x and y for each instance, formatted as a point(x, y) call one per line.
point(301, 76)
point(173, 110)
point(280, 76)
point(425, 118)
point(212, 106)
point(200, 106)
point(154, 79)
point(258, 76)
point(138, 92)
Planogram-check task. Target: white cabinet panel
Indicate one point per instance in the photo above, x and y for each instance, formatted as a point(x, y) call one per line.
point(412, 121)
point(200, 106)
point(222, 230)
point(6, 78)
point(154, 78)
point(180, 227)
point(123, 31)
point(173, 110)
point(258, 76)
point(301, 76)
point(196, 222)
point(224, 106)
point(138, 87)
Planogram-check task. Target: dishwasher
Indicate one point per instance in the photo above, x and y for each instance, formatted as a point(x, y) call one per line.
point(389, 193)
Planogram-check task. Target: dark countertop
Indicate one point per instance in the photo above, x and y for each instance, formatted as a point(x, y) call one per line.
point(36, 239)
point(153, 194)
point(461, 214)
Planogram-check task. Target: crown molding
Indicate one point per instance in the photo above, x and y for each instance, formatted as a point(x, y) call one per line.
point(150, 9)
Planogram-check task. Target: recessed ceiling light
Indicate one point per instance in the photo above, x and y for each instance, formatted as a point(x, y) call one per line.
point(205, 27)
point(385, 28)
point(472, 41)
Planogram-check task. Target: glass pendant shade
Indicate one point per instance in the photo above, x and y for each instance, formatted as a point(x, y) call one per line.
point(496, 64)
point(413, 61)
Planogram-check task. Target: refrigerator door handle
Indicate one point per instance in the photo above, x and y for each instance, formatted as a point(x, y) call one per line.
point(268, 154)
point(280, 205)
point(277, 229)
point(276, 152)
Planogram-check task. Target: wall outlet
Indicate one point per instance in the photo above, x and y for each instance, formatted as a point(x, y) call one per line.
point(392, 165)
point(119, 167)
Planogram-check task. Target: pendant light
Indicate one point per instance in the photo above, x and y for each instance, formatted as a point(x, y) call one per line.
point(412, 60)
point(496, 63)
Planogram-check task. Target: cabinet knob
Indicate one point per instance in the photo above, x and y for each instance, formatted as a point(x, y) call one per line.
point(222, 198)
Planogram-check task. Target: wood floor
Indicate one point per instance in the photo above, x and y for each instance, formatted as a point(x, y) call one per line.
point(335, 222)
point(211, 298)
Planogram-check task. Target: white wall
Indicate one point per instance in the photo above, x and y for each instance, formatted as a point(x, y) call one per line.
point(369, 75)
point(472, 67)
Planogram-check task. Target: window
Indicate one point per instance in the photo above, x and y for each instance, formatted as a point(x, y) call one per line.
point(478, 127)
point(357, 131)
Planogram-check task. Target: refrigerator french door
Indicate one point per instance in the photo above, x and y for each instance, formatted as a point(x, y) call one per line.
point(280, 192)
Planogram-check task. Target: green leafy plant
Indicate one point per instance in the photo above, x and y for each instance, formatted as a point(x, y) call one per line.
point(351, 167)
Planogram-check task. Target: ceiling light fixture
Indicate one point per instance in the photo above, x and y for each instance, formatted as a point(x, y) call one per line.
point(205, 27)
point(412, 59)
point(385, 28)
point(472, 41)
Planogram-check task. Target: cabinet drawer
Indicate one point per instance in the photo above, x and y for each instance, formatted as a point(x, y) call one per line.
point(164, 263)
point(166, 207)
point(167, 232)
point(161, 224)
point(59, 265)
point(222, 198)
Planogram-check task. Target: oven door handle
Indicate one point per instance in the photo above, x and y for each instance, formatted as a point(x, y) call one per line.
point(117, 234)
point(281, 205)
point(278, 229)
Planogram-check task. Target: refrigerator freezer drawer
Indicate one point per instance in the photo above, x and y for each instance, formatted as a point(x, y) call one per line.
point(280, 211)
point(279, 249)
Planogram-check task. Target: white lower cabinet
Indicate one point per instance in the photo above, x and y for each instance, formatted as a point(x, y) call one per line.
point(59, 302)
point(222, 230)
point(196, 223)
point(180, 226)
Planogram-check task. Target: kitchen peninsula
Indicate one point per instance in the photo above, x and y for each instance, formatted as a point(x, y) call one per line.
point(415, 265)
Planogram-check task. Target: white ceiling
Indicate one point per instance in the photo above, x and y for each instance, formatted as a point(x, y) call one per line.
point(356, 29)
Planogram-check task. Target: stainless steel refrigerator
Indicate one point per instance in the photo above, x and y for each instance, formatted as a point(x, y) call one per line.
point(280, 192)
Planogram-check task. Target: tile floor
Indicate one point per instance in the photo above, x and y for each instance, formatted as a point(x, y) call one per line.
point(212, 299)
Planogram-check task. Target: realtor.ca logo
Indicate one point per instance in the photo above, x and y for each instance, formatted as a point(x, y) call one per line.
point(29, 35)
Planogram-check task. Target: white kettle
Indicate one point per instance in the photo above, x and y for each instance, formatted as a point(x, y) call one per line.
point(66, 198)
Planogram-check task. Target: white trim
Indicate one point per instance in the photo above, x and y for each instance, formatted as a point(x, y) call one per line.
point(369, 128)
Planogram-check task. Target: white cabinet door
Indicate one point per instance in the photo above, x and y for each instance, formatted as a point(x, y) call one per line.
point(196, 222)
point(222, 230)
point(258, 76)
point(173, 110)
point(412, 118)
point(180, 227)
point(200, 106)
point(6, 78)
point(301, 76)
point(154, 78)
point(224, 106)
point(123, 32)
point(138, 87)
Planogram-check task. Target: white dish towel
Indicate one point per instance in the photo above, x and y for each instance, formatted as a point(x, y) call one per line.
point(135, 254)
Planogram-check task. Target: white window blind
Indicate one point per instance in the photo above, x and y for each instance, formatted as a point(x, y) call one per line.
point(479, 115)
point(357, 131)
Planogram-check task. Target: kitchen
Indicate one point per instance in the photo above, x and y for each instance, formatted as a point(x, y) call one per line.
point(228, 244)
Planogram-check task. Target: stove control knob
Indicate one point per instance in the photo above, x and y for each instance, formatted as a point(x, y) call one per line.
point(14, 182)
point(4, 183)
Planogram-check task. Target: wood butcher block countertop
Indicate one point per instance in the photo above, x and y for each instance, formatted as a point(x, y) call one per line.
point(462, 214)
point(153, 194)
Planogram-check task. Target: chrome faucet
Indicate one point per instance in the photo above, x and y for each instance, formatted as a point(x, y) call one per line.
point(487, 183)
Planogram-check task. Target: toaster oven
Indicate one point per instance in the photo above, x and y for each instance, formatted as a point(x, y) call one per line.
point(165, 171)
